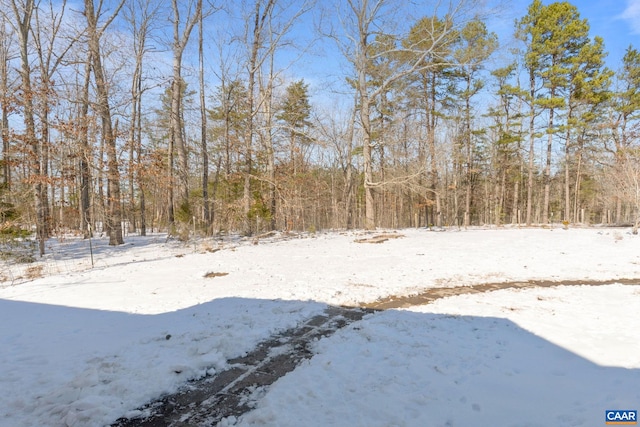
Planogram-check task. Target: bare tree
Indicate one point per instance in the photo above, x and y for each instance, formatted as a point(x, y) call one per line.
point(6, 40)
point(85, 154)
point(23, 13)
point(52, 47)
point(180, 40)
point(276, 27)
point(140, 14)
point(624, 179)
point(114, 214)
point(364, 21)
point(255, 39)
point(206, 208)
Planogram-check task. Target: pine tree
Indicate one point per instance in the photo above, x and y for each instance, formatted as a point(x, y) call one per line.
point(475, 46)
point(295, 115)
point(430, 42)
point(586, 92)
point(555, 34)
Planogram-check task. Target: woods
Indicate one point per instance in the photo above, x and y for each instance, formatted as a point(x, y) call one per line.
point(132, 116)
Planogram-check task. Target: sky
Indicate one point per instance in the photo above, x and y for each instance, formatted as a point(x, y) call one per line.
point(323, 66)
point(616, 21)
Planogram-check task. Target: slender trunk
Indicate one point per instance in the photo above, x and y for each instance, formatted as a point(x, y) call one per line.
point(516, 200)
point(348, 178)
point(170, 161)
point(271, 158)
point(619, 159)
point(206, 210)
point(576, 197)
point(434, 160)
point(178, 139)
point(114, 214)
point(135, 99)
point(365, 119)
point(6, 150)
point(45, 149)
point(4, 120)
point(468, 184)
point(468, 149)
point(31, 141)
point(176, 119)
point(567, 176)
point(85, 156)
point(431, 140)
point(252, 69)
point(547, 168)
point(567, 183)
point(532, 119)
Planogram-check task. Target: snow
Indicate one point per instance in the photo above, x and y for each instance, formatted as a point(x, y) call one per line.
point(84, 346)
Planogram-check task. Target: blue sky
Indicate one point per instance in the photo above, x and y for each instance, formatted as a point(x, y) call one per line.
point(323, 65)
point(616, 21)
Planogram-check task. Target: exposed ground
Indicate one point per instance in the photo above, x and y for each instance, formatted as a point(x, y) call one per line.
point(432, 294)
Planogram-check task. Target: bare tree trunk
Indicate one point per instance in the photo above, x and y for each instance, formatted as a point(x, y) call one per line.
point(50, 56)
point(576, 197)
point(348, 174)
point(177, 126)
point(365, 120)
point(256, 44)
point(532, 118)
point(4, 102)
point(140, 15)
point(170, 196)
point(567, 183)
point(567, 176)
point(547, 169)
point(85, 156)
point(114, 214)
point(23, 28)
point(133, 165)
point(45, 148)
point(431, 137)
point(268, 142)
point(206, 208)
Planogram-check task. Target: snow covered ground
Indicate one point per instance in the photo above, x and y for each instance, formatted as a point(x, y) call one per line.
point(83, 346)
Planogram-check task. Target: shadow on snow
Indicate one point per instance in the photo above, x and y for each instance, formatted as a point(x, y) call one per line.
point(73, 365)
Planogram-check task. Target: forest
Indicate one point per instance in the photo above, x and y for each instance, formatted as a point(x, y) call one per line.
point(199, 118)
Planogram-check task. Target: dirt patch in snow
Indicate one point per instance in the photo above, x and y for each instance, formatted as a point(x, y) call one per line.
point(432, 294)
point(379, 238)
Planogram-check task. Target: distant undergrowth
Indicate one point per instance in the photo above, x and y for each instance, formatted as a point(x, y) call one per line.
point(15, 244)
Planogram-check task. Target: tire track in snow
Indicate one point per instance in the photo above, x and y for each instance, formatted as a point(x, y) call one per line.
point(233, 392)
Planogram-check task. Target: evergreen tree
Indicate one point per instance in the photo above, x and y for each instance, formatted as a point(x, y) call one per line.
point(295, 113)
point(555, 35)
point(586, 92)
point(431, 40)
point(475, 46)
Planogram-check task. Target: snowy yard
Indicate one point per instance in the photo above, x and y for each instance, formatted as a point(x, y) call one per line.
point(84, 346)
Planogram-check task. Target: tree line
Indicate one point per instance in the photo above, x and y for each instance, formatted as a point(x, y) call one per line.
point(136, 115)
